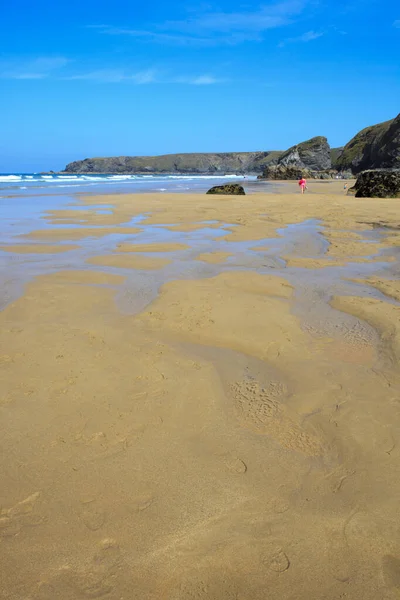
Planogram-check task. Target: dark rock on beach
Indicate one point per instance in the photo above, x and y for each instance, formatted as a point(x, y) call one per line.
point(281, 172)
point(328, 174)
point(228, 189)
point(379, 183)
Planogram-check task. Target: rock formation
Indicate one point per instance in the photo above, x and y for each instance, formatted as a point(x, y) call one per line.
point(379, 183)
point(301, 160)
point(227, 162)
point(336, 153)
point(375, 147)
point(231, 189)
point(314, 154)
point(372, 148)
point(279, 172)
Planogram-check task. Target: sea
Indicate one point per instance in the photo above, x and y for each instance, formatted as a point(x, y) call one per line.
point(37, 184)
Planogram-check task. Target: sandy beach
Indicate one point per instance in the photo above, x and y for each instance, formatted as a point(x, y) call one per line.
point(201, 398)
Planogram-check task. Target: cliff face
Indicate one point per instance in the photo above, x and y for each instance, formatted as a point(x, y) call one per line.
point(336, 153)
point(314, 154)
point(301, 160)
point(228, 162)
point(375, 147)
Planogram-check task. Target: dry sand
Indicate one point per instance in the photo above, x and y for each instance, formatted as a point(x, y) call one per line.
point(322, 263)
point(388, 287)
point(211, 446)
point(348, 248)
point(312, 263)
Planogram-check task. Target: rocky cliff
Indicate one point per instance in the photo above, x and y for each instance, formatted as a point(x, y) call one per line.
point(336, 153)
point(227, 162)
point(375, 147)
point(314, 155)
point(372, 148)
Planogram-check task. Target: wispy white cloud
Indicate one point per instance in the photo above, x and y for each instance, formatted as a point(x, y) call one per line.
point(308, 36)
point(46, 68)
point(141, 77)
point(397, 24)
point(337, 30)
point(159, 37)
point(208, 28)
point(205, 80)
point(36, 68)
point(115, 76)
point(199, 80)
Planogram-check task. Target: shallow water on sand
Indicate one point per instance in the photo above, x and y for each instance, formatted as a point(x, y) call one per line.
point(314, 287)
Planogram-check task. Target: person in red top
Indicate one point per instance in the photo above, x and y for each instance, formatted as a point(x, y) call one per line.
point(303, 184)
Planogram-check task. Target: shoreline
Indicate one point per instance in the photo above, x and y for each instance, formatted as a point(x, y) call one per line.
point(53, 185)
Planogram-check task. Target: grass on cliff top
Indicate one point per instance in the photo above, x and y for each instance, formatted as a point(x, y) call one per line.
point(355, 147)
point(307, 145)
point(315, 141)
point(335, 155)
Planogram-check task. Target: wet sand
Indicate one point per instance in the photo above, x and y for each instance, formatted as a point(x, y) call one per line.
point(125, 261)
point(78, 234)
point(221, 426)
point(151, 247)
point(214, 257)
point(38, 248)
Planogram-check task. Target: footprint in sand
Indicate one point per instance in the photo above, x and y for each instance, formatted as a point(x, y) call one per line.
point(358, 335)
point(261, 409)
point(203, 588)
point(23, 514)
point(235, 465)
point(342, 561)
point(98, 446)
point(282, 502)
point(93, 516)
point(144, 501)
point(256, 405)
point(96, 579)
point(276, 560)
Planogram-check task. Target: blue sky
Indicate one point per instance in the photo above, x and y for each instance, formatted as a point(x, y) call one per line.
point(100, 78)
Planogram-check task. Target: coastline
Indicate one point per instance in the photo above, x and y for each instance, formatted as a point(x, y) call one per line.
point(40, 185)
point(200, 396)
